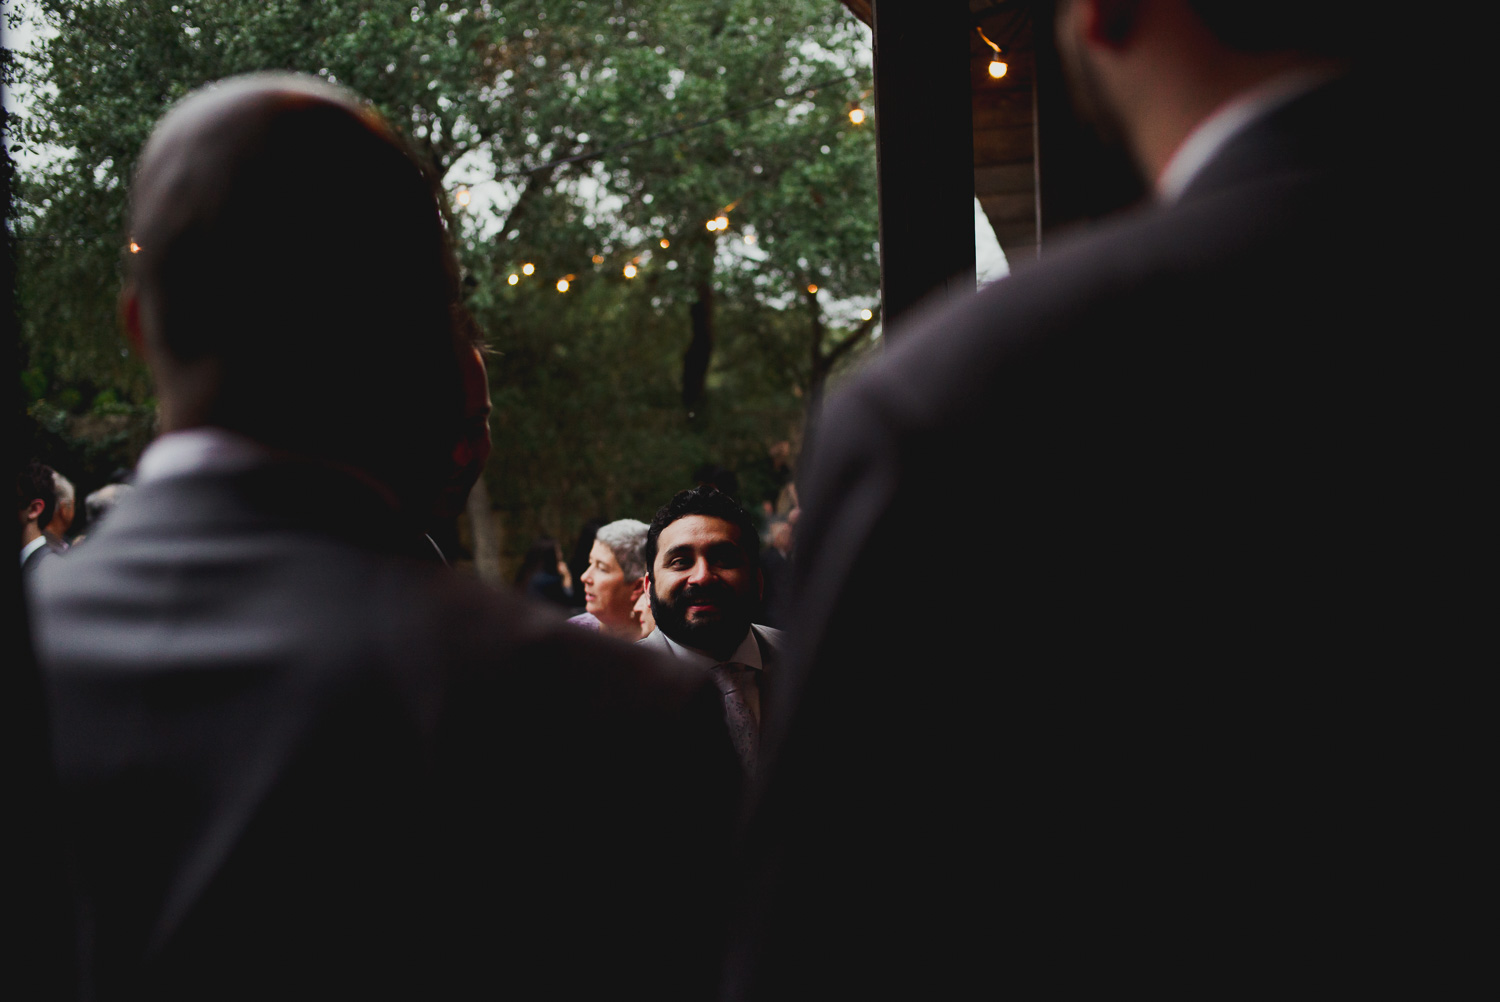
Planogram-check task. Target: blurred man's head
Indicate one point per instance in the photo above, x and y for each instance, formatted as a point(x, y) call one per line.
point(62, 518)
point(704, 556)
point(36, 499)
point(612, 582)
point(1147, 72)
point(291, 280)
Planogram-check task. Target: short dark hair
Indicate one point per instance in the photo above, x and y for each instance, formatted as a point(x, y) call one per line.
point(1318, 27)
point(710, 501)
point(36, 481)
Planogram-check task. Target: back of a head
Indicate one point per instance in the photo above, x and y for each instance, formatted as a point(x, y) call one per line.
point(35, 482)
point(284, 233)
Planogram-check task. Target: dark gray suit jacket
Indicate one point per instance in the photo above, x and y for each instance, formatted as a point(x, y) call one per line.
point(1198, 470)
point(299, 758)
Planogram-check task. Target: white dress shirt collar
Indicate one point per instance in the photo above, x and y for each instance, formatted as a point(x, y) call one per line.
point(747, 653)
point(199, 450)
point(1231, 118)
point(32, 547)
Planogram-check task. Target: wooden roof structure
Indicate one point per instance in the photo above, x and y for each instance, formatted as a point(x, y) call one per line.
point(948, 132)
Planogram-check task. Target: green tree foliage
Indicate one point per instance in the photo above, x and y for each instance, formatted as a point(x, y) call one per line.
point(587, 133)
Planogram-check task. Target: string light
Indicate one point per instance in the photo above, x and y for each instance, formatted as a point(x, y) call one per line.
point(813, 289)
point(711, 225)
point(514, 278)
point(135, 248)
point(857, 115)
point(750, 239)
point(562, 283)
point(630, 270)
point(665, 243)
point(528, 268)
point(866, 314)
point(598, 258)
point(463, 197)
point(998, 66)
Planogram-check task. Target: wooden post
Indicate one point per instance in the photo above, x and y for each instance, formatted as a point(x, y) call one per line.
point(924, 142)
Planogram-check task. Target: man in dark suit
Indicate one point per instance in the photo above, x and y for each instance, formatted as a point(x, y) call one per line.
point(36, 502)
point(298, 757)
point(1229, 443)
point(704, 584)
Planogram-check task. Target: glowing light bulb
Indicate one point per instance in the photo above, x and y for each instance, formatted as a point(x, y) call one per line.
point(135, 248)
point(630, 271)
point(514, 278)
point(998, 68)
point(562, 285)
point(665, 243)
point(866, 314)
point(857, 116)
point(711, 225)
point(528, 268)
point(722, 222)
point(463, 196)
point(813, 289)
point(598, 258)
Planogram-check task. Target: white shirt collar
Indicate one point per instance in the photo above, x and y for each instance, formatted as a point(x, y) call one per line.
point(199, 450)
point(1228, 121)
point(32, 547)
point(747, 653)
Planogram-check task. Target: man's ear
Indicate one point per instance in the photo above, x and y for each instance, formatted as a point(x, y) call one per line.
point(1110, 23)
point(35, 509)
point(130, 318)
point(639, 588)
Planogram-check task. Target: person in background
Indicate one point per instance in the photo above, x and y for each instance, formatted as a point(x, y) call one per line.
point(612, 582)
point(36, 500)
point(543, 575)
point(62, 519)
point(776, 566)
point(704, 588)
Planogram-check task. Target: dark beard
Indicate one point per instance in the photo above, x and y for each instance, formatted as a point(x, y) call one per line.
point(716, 637)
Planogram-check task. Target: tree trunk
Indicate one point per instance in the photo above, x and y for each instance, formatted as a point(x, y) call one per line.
point(486, 538)
point(700, 348)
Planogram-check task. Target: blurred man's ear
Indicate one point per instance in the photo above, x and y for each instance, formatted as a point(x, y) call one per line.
point(638, 589)
point(130, 318)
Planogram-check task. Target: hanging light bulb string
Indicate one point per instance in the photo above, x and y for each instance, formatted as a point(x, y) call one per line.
point(603, 152)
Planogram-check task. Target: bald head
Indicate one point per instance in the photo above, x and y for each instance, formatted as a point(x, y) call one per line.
point(291, 278)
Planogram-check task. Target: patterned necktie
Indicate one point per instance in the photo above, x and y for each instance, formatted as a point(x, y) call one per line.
point(733, 679)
